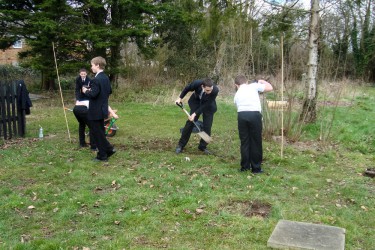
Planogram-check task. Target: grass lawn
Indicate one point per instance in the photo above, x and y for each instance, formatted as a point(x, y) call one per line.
point(53, 196)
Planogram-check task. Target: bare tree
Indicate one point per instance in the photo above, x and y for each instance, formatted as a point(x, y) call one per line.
point(309, 107)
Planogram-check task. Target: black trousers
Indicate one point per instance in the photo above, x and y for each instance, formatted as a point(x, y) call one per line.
point(80, 113)
point(208, 119)
point(98, 132)
point(250, 132)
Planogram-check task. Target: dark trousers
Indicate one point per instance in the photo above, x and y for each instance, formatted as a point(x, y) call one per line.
point(98, 132)
point(208, 119)
point(250, 132)
point(80, 113)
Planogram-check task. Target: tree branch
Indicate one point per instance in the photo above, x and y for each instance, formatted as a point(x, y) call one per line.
point(286, 7)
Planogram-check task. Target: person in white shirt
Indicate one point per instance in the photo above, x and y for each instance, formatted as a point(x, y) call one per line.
point(250, 121)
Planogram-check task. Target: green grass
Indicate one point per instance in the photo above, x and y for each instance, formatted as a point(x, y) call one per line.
point(147, 197)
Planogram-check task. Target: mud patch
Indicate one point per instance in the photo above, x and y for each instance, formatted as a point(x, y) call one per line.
point(154, 144)
point(249, 208)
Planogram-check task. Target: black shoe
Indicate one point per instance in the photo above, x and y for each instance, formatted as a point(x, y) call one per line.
point(83, 145)
point(110, 153)
point(205, 151)
point(94, 149)
point(96, 159)
point(244, 169)
point(257, 171)
point(178, 149)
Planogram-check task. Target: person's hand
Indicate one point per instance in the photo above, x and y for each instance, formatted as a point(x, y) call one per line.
point(84, 89)
point(115, 115)
point(178, 101)
point(192, 117)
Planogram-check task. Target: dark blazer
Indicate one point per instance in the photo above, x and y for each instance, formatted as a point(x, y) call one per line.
point(98, 95)
point(197, 105)
point(24, 101)
point(78, 90)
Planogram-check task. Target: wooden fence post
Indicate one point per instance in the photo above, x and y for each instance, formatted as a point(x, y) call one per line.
point(12, 117)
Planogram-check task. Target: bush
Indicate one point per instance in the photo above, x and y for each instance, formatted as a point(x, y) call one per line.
point(9, 72)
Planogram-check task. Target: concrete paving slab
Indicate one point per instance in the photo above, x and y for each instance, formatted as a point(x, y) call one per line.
point(301, 235)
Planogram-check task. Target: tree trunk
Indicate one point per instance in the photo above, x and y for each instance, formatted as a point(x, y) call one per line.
point(48, 83)
point(309, 106)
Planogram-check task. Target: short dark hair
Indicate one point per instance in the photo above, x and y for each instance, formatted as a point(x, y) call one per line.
point(207, 82)
point(240, 79)
point(82, 70)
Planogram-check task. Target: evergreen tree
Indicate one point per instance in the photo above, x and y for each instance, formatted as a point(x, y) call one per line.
point(79, 29)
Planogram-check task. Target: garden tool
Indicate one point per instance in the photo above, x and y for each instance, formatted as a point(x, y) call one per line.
point(201, 133)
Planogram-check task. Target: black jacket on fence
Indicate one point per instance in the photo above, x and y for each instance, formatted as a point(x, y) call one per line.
point(24, 102)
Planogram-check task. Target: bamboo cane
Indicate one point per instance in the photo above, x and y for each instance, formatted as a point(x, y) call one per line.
point(61, 95)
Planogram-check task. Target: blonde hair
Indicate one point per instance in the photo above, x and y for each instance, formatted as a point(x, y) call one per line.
point(99, 61)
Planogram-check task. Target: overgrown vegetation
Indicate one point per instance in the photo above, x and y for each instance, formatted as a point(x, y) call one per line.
point(191, 38)
point(52, 196)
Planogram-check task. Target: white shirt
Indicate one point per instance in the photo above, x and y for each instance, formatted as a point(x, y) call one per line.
point(247, 97)
point(83, 103)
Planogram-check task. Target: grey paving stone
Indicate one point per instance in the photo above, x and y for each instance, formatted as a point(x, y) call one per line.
point(301, 235)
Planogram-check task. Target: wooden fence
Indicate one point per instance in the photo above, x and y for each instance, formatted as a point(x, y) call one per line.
point(12, 114)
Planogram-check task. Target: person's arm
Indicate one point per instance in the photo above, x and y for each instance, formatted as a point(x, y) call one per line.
point(94, 89)
point(267, 86)
point(190, 87)
point(112, 112)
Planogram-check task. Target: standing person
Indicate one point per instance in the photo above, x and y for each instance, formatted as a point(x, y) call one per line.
point(98, 94)
point(81, 80)
point(80, 109)
point(250, 121)
point(202, 101)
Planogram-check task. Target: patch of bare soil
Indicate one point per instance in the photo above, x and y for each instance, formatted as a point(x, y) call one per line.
point(249, 208)
point(21, 142)
point(313, 146)
point(154, 144)
point(307, 145)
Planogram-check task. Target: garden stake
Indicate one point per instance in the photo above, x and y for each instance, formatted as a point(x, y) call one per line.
point(62, 99)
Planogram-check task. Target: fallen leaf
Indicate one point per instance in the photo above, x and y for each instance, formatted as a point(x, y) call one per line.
point(35, 196)
point(31, 207)
point(187, 211)
point(199, 210)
